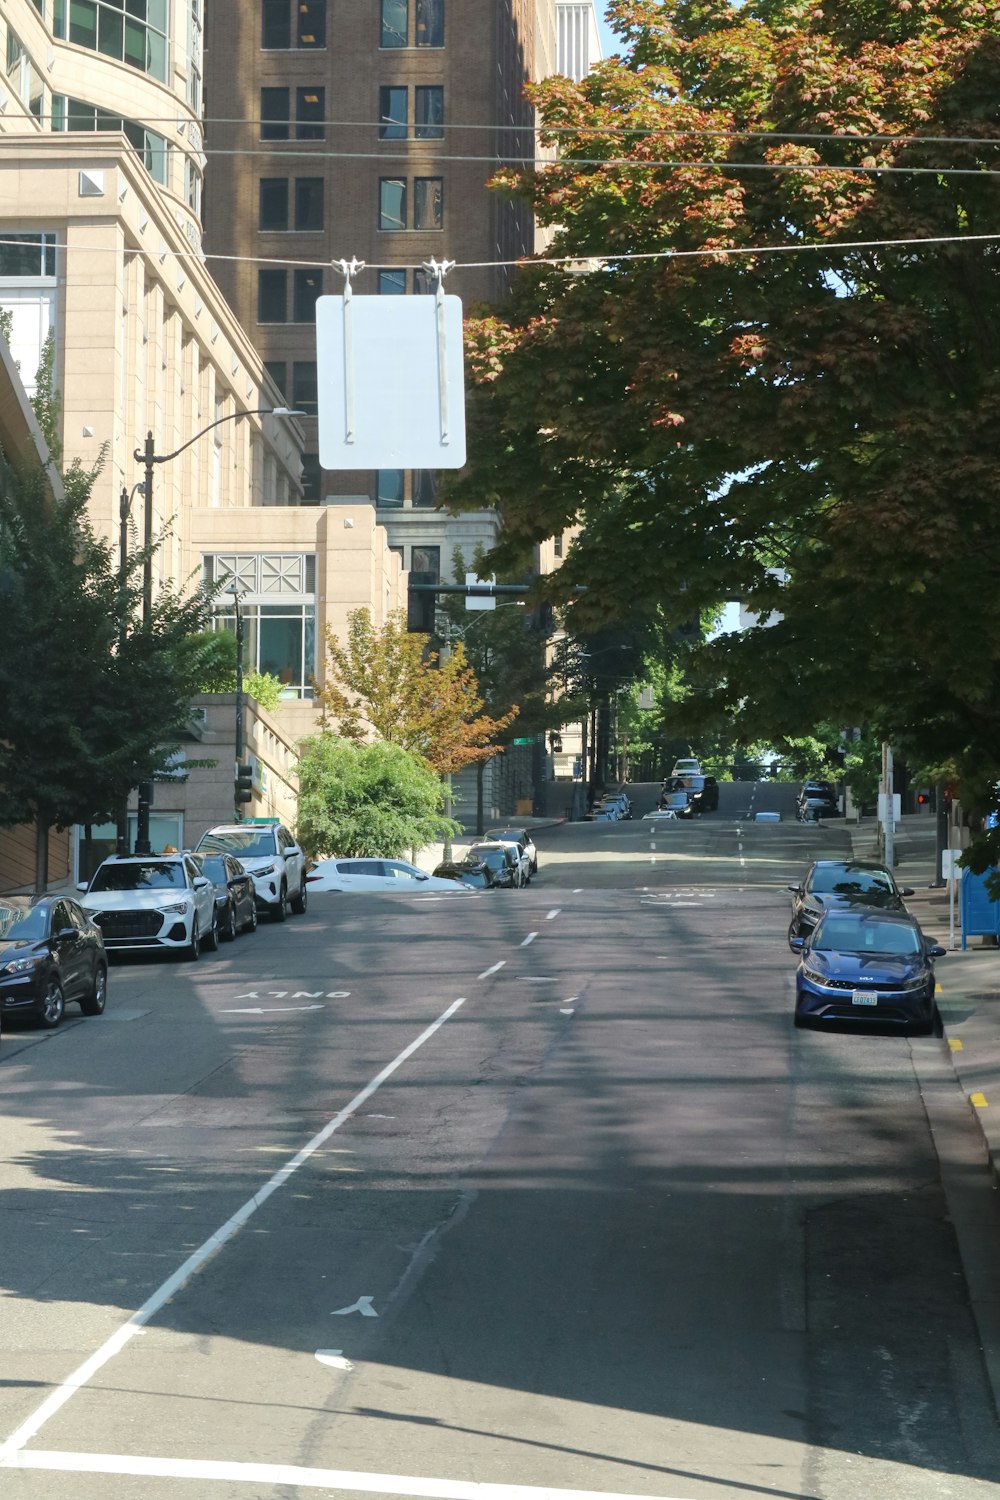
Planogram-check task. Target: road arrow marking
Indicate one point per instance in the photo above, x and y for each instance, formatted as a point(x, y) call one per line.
point(270, 1010)
point(334, 1358)
point(362, 1306)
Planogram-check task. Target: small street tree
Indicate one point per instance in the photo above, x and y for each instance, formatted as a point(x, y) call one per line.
point(92, 697)
point(365, 800)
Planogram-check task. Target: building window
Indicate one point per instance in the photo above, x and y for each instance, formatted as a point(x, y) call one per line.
point(391, 283)
point(423, 282)
point(152, 149)
point(312, 23)
point(307, 285)
point(273, 213)
point(309, 203)
point(28, 255)
point(136, 35)
point(426, 560)
point(312, 479)
point(278, 371)
point(272, 296)
point(25, 79)
point(276, 24)
point(428, 205)
point(274, 123)
point(424, 488)
point(430, 23)
point(557, 545)
point(310, 114)
point(394, 23)
point(279, 613)
point(429, 113)
point(304, 388)
point(389, 489)
point(392, 111)
point(391, 203)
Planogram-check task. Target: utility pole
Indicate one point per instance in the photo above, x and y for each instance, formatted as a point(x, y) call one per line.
point(888, 826)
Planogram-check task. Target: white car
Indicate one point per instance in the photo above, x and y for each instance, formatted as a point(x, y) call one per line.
point(661, 815)
point(393, 875)
point(686, 767)
point(145, 902)
point(271, 855)
point(521, 839)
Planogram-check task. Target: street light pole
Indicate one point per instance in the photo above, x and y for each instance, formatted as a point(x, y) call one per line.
point(148, 457)
point(237, 594)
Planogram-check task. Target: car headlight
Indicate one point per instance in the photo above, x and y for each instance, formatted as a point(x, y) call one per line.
point(916, 983)
point(813, 975)
point(265, 870)
point(21, 965)
point(178, 906)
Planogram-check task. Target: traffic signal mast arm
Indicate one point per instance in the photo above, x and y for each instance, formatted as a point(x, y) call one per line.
point(473, 590)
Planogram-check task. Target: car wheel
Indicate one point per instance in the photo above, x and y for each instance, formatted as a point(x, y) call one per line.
point(53, 1004)
point(93, 1004)
point(300, 901)
point(228, 929)
point(251, 923)
point(793, 932)
point(193, 950)
point(210, 942)
point(281, 910)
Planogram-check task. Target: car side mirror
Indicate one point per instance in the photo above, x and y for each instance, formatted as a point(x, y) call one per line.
point(796, 944)
point(796, 890)
point(907, 890)
point(937, 951)
point(423, 877)
point(66, 932)
point(81, 885)
point(201, 882)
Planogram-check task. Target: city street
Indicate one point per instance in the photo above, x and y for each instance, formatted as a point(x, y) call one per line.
point(500, 1196)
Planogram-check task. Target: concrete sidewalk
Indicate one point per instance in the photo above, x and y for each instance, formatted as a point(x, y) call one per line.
point(968, 982)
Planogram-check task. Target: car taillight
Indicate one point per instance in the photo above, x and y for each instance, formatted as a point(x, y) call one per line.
point(313, 877)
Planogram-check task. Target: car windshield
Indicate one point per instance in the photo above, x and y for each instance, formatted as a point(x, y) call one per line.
point(214, 867)
point(892, 939)
point(506, 835)
point(245, 843)
point(17, 921)
point(843, 881)
point(158, 876)
point(495, 858)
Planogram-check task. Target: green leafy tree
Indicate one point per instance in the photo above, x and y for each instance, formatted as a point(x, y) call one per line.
point(370, 800)
point(92, 698)
point(734, 403)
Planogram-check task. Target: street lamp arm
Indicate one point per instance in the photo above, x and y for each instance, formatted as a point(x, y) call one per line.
point(145, 455)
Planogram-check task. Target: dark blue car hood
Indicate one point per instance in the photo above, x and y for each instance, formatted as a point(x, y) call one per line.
point(859, 967)
point(19, 948)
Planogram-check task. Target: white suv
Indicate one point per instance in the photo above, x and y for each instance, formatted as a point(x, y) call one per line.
point(142, 901)
point(270, 854)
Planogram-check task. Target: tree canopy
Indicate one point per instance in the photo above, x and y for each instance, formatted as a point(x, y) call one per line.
point(775, 378)
point(92, 697)
point(388, 683)
point(365, 800)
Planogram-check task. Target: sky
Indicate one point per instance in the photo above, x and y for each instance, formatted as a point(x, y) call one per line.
point(609, 43)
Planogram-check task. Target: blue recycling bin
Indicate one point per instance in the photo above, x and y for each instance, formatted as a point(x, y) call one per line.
point(980, 915)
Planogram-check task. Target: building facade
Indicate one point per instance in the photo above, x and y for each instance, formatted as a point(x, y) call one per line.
point(578, 41)
point(367, 131)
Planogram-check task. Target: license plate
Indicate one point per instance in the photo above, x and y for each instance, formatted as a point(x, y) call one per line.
point(863, 997)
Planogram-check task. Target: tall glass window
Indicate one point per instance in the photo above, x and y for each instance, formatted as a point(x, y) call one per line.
point(311, 15)
point(389, 490)
point(307, 286)
point(430, 23)
point(28, 255)
point(428, 203)
point(305, 390)
point(309, 203)
point(279, 613)
point(391, 283)
point(133, 31)
point(274, 123)
point(428, 114)
point(153, 149)
point(310, 114)
point(275, 25)
point(392, 108)
point(273, 212)
point(394, 23)
point(272, 296)
point(392, 203)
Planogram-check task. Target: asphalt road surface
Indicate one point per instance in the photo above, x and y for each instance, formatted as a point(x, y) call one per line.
point(497, 1197)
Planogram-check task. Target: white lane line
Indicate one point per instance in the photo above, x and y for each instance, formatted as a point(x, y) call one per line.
point(293, 1475)
point(553, 913)
point(211, 1247)
point(577, 890)
point(494, 970)
point(529, 939)
point(652, 846)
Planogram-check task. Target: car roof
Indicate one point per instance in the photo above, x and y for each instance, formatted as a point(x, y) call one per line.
point(849, 864)
point(31, 900)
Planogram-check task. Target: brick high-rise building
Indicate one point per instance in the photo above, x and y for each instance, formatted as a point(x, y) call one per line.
point(366, 130)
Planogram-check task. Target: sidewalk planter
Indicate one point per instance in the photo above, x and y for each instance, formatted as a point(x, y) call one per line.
point(979, 914)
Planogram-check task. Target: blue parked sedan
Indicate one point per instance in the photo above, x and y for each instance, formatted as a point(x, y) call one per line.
point(866, 967)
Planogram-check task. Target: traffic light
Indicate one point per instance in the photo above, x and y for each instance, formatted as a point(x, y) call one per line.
point(244, 784)
point(924, 801)
point(420, 604)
